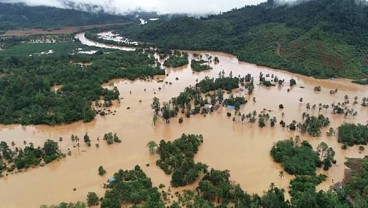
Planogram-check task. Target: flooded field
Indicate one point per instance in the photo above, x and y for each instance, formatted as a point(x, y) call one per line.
point(239, 147)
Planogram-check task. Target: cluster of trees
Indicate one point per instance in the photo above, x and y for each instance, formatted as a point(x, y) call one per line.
point(132, 187)
point(110, 138)
point(12, 158)
point(353, 134)
point(199, 65)
point(312, 124)
point(214, 95)
point(235, 101)
point(177, 158)
point(300, 158)
point(26, 82)
point(177, 59)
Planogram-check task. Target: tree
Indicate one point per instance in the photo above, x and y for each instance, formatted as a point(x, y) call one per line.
point(292, 82)
point(155, 105)
point(101, 171)
point(166, 112)
point(152, 145)
point(92, 199)
point(154, 119)
point(87, 139)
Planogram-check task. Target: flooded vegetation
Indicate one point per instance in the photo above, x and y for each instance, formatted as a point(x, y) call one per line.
point(238, 143)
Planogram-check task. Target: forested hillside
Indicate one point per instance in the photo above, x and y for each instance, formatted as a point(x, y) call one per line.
point(321, 38)
point(15, 16)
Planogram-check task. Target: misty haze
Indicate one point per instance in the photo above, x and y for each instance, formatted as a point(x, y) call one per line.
point(183, 104)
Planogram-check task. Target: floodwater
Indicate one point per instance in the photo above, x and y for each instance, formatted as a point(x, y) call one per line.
point(85, 41)
point(241, 148)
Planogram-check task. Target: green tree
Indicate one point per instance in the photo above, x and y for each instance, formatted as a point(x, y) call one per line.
point(92, 199)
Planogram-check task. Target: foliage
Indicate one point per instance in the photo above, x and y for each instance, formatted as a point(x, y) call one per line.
point(92, 199)
point(235, 101)
point(25, 91)
point(312, 125)
point(177, 158)
point(330, 43)
point(101, 171)
point(216, 187)
point(17, 16)
point(176, 60)
point(296, 159)
point(353, 134)
point(131, 187)
point(199, 65)
point(356, 187)
point(111, 138)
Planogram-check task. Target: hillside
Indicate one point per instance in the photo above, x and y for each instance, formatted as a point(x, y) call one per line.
point(17, 16)
point(320, 38)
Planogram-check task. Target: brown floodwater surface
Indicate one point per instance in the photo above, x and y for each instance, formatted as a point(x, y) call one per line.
point(244, 149)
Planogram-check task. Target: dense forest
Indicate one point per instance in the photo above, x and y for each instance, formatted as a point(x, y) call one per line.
point(16, 16)
point(26, 85)
point(320, 38)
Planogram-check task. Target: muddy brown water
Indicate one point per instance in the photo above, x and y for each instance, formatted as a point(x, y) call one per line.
point(241, 148)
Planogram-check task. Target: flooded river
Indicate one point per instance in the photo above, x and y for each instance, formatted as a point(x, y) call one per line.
point(241, 148)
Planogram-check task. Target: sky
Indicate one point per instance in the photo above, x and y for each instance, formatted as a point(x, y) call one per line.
point(160, 6)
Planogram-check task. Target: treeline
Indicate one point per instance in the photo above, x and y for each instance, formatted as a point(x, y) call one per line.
point(26, 83)
point(12, 158)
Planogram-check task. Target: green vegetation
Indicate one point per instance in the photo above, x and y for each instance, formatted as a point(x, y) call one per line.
point(35, 49)
point(177, 158)
point(17, 16)
point(176, 60)
point(92, 199)
point(132, 187)
point(330, 43)
point(214, 97)
point(300, 159)
point(199, 65)
point(216, 187)
point(28, 157)
point(111, 138)
point(66, 205)
point(101, 171)
point(235, 101)
point(312, 125)
point(26, 82)
point(356, 185)
point(353, 134)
